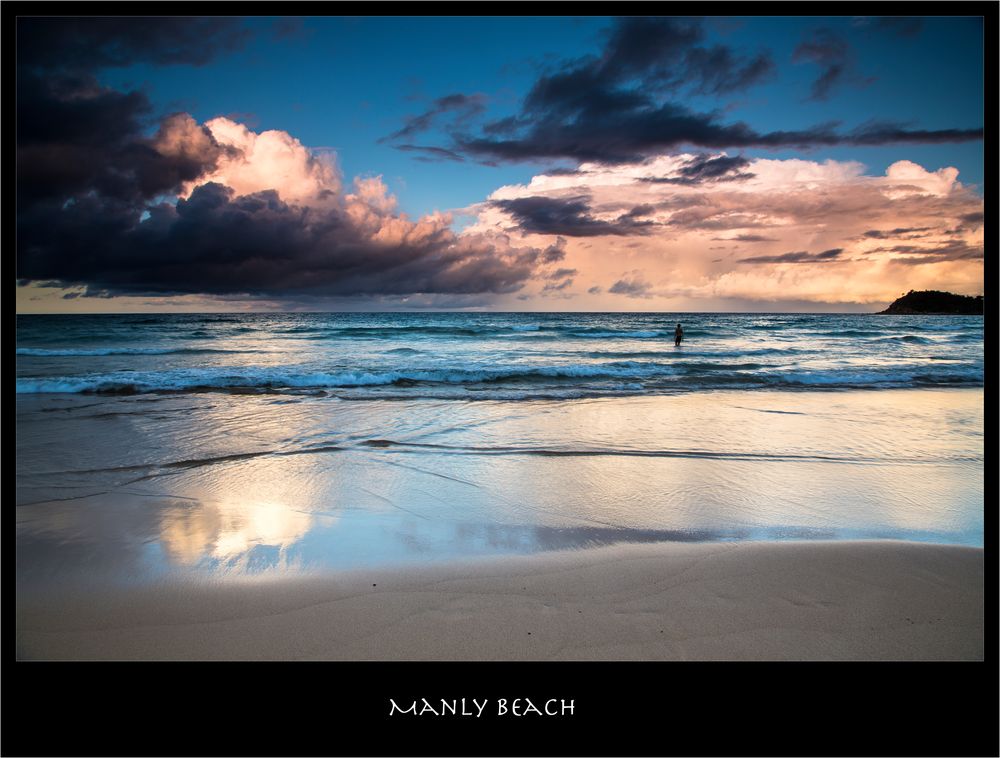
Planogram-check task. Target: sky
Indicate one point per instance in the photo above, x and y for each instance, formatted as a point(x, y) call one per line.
point(516, 163)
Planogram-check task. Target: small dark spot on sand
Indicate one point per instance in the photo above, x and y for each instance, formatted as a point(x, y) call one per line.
point(529, 632)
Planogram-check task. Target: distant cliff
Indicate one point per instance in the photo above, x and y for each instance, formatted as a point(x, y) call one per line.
point(934, 302)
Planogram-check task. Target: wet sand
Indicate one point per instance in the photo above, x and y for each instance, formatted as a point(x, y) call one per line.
point(810, 601)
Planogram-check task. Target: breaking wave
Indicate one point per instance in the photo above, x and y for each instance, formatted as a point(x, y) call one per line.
point(619, 376)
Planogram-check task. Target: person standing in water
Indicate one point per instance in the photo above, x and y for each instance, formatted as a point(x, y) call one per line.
point(678, 335)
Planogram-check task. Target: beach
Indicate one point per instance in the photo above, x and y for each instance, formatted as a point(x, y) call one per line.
point(684, 505)
point(847, 601)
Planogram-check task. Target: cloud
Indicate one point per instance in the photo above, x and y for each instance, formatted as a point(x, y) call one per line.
point(832, 53)
point(111, 201)
point(881, 234)
point(75, 136)
point(641, 56)
point(270, 160)
point(571, 216)
point(911, 177)
point(826, 256)
point(631, 285)
point(264, 217)
point(824, 212)
point(952, 250)
point(638, 211)
point(629, 132)
point(462, 106)
point(559, 273)
point(747, 238)
point(83, 44)
point(663, 53)
point(625, 103)
point(558, 287)
point(703, 168)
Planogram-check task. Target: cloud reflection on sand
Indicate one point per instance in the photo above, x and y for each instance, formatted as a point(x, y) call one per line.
point(247, 486)
point(230, 531)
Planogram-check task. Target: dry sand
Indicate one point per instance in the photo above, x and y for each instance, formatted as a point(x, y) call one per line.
point(708, 601)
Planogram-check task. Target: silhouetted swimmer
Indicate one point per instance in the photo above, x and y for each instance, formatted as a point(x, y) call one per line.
point(678, 335)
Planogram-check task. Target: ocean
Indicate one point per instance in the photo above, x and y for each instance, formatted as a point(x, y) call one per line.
point(468, 356)
point(245, 445)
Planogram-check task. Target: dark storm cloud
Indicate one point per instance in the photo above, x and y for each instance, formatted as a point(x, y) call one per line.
point(554, 287)
point(638, 212)
point(703, 167)
point(559, 273)
point(554, 252)
point(913, 255)
point(881, 234)
point(86, 44)
point(799, 257)
point(642, 57)
point(565, 172)
point(832, 54)
point(629, 134)
point(665, 53)
point(889, 132)
point(462, 106)
point(76, 136)
point(631, 286)
point(91, 183)
point(724, 168)
point(720, 71)
point(611, 108)
point(968, 222)
point(502, 126)
point(836, 60)
point(217, 243)
point(570, 216)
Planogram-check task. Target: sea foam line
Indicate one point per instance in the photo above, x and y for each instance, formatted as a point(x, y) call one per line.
point(102, 351)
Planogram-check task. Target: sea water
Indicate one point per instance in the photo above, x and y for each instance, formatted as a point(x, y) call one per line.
point(493, 356)
point(247, 445)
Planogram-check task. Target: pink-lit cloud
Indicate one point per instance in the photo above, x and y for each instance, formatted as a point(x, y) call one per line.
point(772, 231)
point(270, 160)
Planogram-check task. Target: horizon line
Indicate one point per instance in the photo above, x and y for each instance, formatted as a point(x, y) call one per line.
point(465, 312)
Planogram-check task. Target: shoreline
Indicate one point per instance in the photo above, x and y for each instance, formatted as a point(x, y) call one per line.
point(808, 601)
